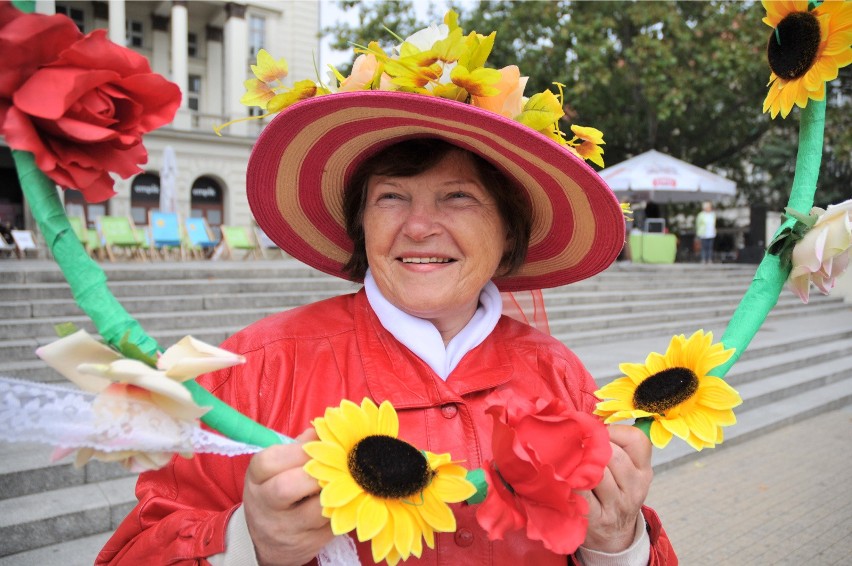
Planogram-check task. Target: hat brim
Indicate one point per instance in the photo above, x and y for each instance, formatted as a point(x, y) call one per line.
point(303, 158)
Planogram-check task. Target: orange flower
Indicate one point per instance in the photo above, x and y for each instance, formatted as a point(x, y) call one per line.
point(509, 101)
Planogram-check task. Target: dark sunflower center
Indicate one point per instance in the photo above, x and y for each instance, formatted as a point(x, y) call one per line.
point(388, 467)
point(665, 390)
point(793, 46)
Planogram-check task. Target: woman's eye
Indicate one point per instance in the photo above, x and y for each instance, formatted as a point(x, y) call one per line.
point(459, 195)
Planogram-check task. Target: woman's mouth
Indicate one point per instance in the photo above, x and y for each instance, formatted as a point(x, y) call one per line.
point(426, 260)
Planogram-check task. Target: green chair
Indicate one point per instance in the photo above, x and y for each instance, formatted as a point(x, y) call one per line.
point(93, 244)
point(78, 225)
point(238, 238)
point(119, 233)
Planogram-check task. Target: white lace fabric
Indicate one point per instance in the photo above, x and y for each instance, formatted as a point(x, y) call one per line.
point(70, 418)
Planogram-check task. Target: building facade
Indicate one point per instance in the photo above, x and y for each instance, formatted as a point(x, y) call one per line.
point(206, 48)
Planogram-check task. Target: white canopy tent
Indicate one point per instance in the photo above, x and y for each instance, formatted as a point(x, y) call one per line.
point(655, 176)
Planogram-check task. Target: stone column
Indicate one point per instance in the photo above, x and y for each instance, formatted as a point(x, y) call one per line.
point(236, 65)
point(180, 32)
point(117, 23)
point(215, 69)
point(160, 45)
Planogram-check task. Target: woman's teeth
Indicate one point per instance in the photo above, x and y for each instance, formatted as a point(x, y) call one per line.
point(426, 260)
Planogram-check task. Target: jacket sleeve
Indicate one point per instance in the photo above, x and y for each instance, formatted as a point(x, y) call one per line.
point(182, 514)
point(662, 553)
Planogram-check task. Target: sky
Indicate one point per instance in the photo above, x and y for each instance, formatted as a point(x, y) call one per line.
point(330, 13)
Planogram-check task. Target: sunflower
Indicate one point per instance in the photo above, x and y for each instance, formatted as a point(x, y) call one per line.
point(805, 49)
point(675, 391)
point(390, 492)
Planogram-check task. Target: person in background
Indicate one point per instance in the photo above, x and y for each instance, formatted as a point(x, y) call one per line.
point(705, 230)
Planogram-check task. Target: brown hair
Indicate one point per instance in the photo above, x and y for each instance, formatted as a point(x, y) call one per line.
point(412, 157)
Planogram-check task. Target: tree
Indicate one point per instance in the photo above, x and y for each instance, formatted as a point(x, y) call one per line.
point(685, 78)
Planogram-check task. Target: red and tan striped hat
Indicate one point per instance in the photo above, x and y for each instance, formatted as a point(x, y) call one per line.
point(302, 160)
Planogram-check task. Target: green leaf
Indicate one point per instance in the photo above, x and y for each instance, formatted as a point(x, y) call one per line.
point(65, 329)
point(130, 350)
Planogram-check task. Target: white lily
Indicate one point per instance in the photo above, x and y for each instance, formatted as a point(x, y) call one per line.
point(95, 367)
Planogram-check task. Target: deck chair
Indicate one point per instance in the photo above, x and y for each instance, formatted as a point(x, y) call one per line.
point(144, 240)
point(201, 241)
point(238, 238)
point(93, 244)
point(25, 242)
point(119, 233)
point(266, 245)
point(78, 226)
point(165, 234)
point(7, 249)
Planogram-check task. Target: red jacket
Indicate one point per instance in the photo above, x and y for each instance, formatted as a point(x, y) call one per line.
point(301, 361)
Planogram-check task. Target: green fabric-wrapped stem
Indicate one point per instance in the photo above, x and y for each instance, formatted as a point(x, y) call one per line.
point(762, 295)
point(88, 286)
point(85, 277)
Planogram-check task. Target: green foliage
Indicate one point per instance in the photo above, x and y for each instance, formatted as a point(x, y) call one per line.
point(64, 329)
point(685, 78)
point(130, 350)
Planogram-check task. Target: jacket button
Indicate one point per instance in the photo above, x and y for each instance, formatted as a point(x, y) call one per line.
point(449, 411)
point(464, 537)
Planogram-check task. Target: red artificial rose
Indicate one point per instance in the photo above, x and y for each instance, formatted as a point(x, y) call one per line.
point(79, 103)
point(542, 452)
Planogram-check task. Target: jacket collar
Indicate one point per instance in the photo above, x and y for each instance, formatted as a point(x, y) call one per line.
point(395, 374)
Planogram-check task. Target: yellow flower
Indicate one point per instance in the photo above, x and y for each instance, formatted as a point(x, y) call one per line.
point(390, 492)
point(479, 82)
point(589, 148)
point(675, 391)
point(268, 69)
point(258, 93)
point(805, 49)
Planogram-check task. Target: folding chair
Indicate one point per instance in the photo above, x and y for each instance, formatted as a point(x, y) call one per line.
point(144, 240)
point(78, 225)
point(165, 233)
point(238, 238)
point(7, 249)
point(201, 242)
point(93, 244)
point(119, 232)
point(24, 242)
point(265, 244)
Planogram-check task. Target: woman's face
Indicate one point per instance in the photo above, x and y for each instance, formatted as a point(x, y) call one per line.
point(434, 240)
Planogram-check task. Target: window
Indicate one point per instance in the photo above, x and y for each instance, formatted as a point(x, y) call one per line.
point(76, 14)
point(135, 33)
point(257, 35)
point(192, 45)
point(144, 196)
point(194, 86)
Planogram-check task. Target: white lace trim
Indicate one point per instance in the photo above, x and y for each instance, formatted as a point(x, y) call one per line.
point(71, 418)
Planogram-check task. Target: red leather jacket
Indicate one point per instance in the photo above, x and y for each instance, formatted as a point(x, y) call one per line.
point(301, 361)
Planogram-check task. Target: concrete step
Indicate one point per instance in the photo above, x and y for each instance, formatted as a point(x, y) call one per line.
point(763, 419)
point(41, 519)
point(75, 552)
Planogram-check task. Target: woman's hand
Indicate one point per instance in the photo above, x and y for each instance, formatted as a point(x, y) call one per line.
point(615, 504)
point(282, 507)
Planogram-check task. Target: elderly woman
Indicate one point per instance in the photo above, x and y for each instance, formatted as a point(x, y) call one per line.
point(436, 206)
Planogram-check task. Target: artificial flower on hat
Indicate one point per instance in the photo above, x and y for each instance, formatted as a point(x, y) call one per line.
point(676, 392)
point(806, 48)
point(79, 103)
point(385, 489)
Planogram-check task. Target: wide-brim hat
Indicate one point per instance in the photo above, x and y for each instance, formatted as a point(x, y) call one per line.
point(303, 158)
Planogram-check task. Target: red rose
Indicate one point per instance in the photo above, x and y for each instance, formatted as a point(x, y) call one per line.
point(79, 103)
point(542, 452)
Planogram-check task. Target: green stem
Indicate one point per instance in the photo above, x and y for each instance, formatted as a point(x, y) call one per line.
point(88, 284)
point(762, 295)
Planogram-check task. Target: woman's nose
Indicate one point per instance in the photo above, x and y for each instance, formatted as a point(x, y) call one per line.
point(421, 221)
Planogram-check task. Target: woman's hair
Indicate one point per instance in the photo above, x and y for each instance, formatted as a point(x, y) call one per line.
point(412, 157)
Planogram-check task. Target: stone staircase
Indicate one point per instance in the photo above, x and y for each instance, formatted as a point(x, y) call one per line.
point(799, 364)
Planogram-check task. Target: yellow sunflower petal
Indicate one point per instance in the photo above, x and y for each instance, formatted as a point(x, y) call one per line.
point(404, 532)
point(388, 422)
point(340, 492)
point(716, 394)
point(345, 518)
point(700, 425)
point(451, 488)
point(436, 513)
point(356, 419)
point(660, 437)
point(382, 544)
point(347, 434)
point(322, 472)
point(372, 518)
point(328, 454)
point(675, 426)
